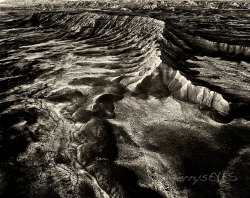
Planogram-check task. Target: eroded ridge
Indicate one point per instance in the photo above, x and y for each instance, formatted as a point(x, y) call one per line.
point(136, 43)
point(94, 64)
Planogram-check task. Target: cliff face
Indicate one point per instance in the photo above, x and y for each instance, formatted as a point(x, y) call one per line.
point(108, 106)
point(137, 43)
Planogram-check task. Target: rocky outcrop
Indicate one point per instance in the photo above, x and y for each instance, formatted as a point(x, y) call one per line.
point(224, 49)
point(112, 108)
point(184, 90)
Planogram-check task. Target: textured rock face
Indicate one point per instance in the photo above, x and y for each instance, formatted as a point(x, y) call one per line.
point(184, 90)
point(101, 105)
point(219, 48)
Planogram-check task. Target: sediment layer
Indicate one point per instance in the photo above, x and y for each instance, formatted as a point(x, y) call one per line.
point(80, 119)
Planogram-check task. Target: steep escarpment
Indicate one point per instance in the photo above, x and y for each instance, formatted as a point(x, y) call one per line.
point(238, 52)
point(113, 109)
point(145, 55)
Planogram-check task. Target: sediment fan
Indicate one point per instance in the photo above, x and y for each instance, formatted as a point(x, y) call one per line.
point(100, 104)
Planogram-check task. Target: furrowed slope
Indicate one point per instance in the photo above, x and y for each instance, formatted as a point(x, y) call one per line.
point(140, 49)
point(108, 104)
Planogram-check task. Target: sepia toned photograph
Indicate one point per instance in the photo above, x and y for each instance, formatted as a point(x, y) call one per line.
point(124, 99)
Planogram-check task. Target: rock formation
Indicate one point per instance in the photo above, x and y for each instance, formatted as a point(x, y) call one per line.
point(106, 105)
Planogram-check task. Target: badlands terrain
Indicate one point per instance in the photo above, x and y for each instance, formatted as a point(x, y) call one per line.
point(125, 100)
